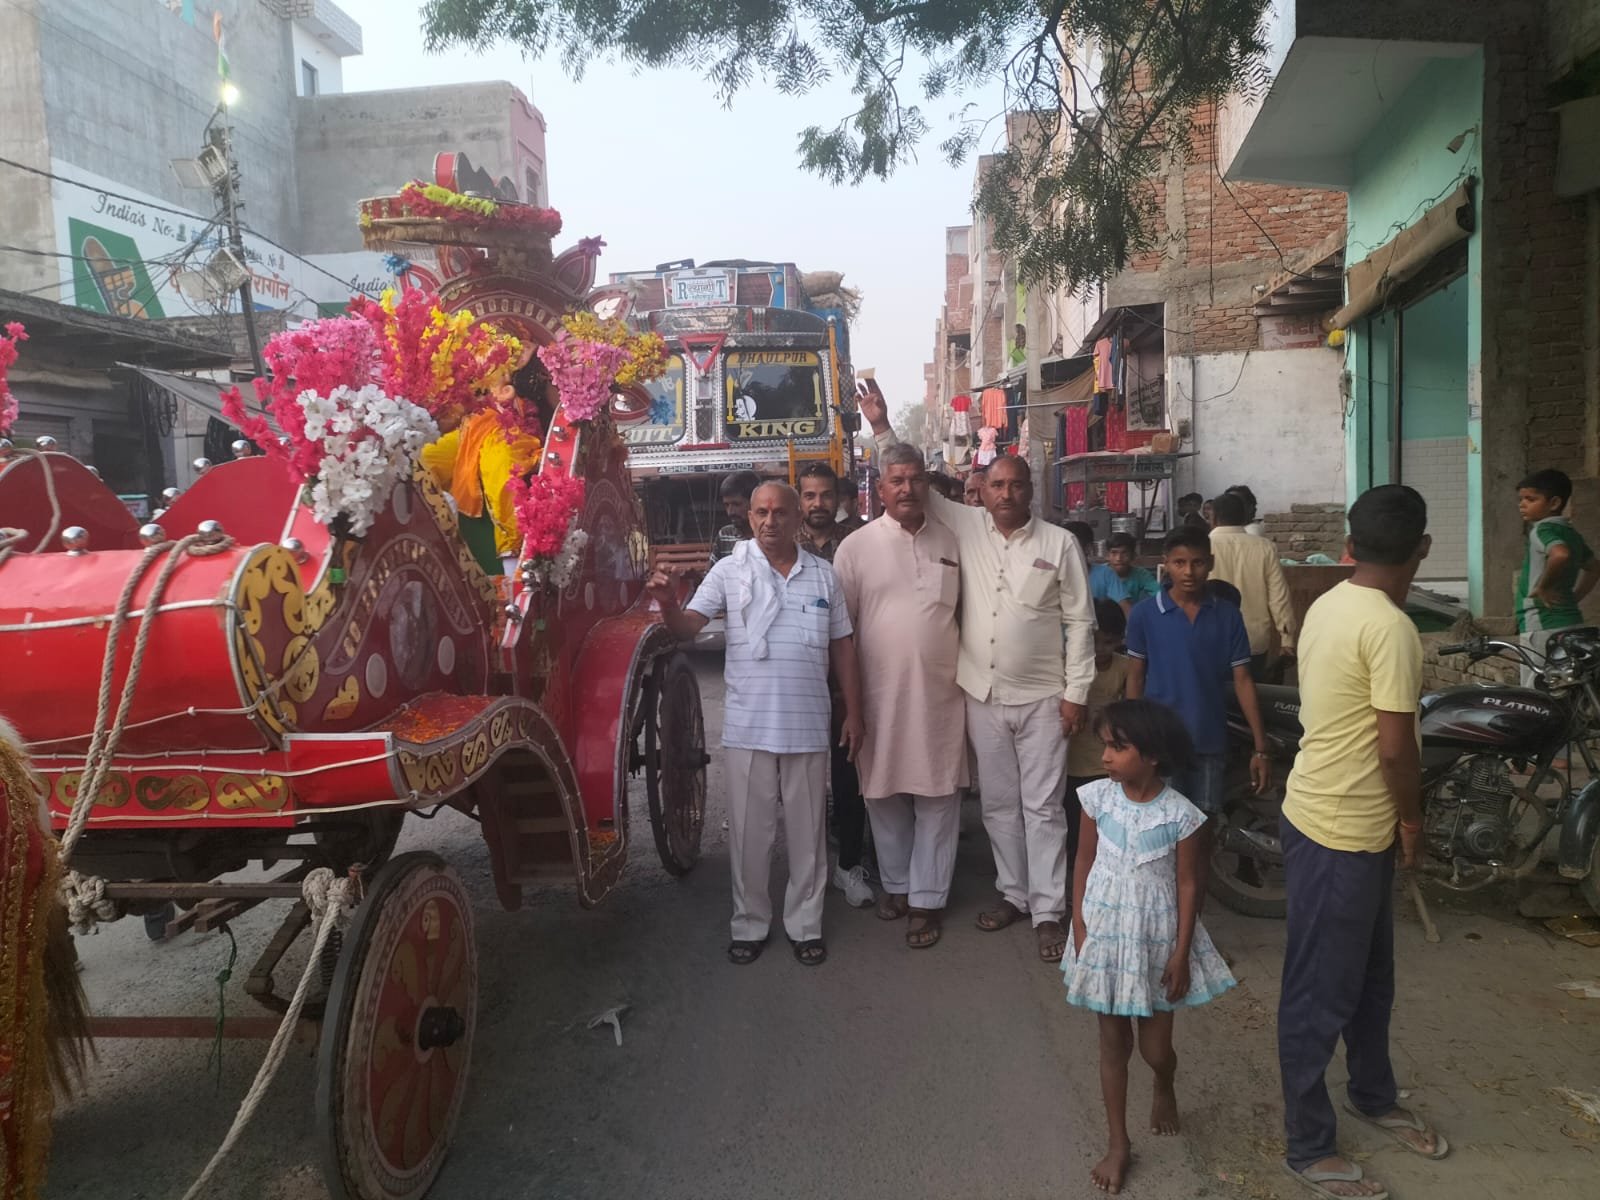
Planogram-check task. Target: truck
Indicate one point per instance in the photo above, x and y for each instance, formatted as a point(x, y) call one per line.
point(758, 379)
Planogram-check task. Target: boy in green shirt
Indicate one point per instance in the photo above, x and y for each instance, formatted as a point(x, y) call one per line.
point(1550, 589)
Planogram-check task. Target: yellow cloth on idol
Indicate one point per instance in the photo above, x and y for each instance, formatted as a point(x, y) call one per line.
point(475, 464)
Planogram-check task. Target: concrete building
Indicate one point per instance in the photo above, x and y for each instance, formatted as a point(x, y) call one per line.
point(949, 374)
point(98, 97)
point(1470, 315)
point(1216, 337)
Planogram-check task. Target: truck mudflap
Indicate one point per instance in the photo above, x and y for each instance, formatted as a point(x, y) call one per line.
point(1580, 829)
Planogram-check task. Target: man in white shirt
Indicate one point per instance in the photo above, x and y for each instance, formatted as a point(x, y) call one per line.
point(787, 624)
point(901, 577)
point(1026, 664)
point(1251, 564)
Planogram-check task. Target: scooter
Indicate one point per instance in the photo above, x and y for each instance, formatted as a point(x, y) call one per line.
point(1496, 807)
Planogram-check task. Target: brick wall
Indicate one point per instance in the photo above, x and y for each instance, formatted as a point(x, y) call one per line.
point(1307, 529)
point(1440, 671)
point(1216, 240)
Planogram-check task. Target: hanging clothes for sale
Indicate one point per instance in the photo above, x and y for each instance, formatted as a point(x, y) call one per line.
point(960, 418)
point(993, 403)
point(1104, 379)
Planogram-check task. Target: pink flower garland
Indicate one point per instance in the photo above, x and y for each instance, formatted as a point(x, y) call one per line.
point(321, 357)
point(8, 354)
point(584, 372)
point(546, 506)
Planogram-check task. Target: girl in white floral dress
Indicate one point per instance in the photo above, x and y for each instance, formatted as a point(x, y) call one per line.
point(1137, 947)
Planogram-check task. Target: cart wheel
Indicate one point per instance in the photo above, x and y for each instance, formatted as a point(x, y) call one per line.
point(397, 1040)
point(675, 762)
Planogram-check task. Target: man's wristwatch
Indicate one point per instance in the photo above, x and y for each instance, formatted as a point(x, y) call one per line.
point(1261, 754)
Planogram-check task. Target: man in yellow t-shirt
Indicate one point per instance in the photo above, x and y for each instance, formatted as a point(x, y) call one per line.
point(1357, 778)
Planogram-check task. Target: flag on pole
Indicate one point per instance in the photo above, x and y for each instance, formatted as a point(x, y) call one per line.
point(222, 44)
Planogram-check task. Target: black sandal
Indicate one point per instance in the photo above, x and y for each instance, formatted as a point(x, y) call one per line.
point(742, 954)
point(810, 953)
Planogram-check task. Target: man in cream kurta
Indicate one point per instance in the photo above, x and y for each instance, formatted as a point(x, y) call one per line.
point(901, 579)
point(1026, 665)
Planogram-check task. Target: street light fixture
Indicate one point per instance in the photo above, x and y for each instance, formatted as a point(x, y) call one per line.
point(230, 94)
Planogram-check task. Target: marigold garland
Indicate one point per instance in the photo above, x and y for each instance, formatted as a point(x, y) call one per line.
point(429, 200)
point(647, 353)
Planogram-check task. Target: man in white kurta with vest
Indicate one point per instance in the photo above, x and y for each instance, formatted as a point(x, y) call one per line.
point(901, 577)
point(1026, 664)
point(787, 623)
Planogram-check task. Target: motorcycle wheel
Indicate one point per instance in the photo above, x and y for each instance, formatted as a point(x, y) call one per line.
point(1589, 885)
point(1250, 886)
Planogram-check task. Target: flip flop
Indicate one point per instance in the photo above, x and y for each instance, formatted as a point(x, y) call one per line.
point(1000, 918)
point(891, 907)
point(809, 953)
point(1052, 940)
point(742, 953)
point(920, 937)
point(1314, 1180)
point(1392, 1125)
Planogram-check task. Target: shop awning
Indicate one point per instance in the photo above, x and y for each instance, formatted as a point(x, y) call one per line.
point(205, 394)
point(1369, 282)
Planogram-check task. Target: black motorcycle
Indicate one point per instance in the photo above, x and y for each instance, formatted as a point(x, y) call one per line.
point(1497, 802)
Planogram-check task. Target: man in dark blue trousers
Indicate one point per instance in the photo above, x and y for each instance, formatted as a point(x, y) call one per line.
point(1357, 778)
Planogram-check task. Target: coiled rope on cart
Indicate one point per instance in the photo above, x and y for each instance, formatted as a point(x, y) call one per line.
point(328, 897)
point(84, 895)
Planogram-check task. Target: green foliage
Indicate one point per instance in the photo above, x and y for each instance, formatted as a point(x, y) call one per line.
point(1096, 91)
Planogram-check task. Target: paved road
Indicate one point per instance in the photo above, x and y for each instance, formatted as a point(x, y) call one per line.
point(886, 1073)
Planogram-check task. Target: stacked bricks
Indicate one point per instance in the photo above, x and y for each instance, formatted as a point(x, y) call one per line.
point(1442, 671)
point(1307, 529)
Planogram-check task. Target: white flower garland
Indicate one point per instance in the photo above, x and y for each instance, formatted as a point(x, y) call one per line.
point(370, 442)
point(561, 570)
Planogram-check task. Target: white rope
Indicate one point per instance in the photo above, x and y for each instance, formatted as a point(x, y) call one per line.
point(103, 743)
point(329, 898)
point(13, 536)
point(87, 903)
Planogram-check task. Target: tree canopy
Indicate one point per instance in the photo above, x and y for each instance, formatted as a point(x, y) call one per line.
point(1096, 91)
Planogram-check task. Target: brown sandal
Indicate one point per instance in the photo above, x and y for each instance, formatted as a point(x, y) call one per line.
point(1052, 940)
point(999, 918)
point(924, 929)
point(892, 907)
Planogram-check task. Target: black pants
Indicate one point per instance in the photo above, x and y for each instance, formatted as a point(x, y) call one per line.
point(1338, 981)
point(849, 810)
point(1074, 814)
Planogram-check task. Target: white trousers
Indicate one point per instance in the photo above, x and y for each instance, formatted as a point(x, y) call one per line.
point(1536, 641)
point(1022, 763)
point(756, 780)
point(915, 837)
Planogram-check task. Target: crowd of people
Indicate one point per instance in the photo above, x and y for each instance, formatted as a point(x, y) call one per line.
point(964, 646)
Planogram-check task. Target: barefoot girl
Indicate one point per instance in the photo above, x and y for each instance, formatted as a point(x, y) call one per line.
point(1137, 949)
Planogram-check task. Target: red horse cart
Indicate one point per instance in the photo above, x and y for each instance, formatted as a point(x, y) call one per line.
point(201, 693)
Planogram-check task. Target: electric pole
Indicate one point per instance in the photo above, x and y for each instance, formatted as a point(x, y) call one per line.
point(233, 204)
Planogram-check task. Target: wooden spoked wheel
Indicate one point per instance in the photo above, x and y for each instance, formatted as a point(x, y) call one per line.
point(675, 761)
point(397, 1039)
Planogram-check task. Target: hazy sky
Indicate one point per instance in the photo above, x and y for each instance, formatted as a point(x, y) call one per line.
point(653, 164)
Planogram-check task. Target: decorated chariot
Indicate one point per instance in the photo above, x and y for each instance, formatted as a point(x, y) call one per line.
point(419, 585)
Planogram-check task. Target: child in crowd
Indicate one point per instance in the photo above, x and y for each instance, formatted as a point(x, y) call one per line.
point(1118, 578)
point(1558, 570)
point(1137, 947)
point(1110, 678)
point(1184, 645)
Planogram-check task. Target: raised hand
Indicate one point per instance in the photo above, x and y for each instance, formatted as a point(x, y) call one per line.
point(869, 399)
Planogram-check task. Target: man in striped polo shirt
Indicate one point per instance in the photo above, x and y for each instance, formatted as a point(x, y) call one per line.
point(787, 624)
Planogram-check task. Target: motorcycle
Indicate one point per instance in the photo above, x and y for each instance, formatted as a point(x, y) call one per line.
point(1496, 801)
